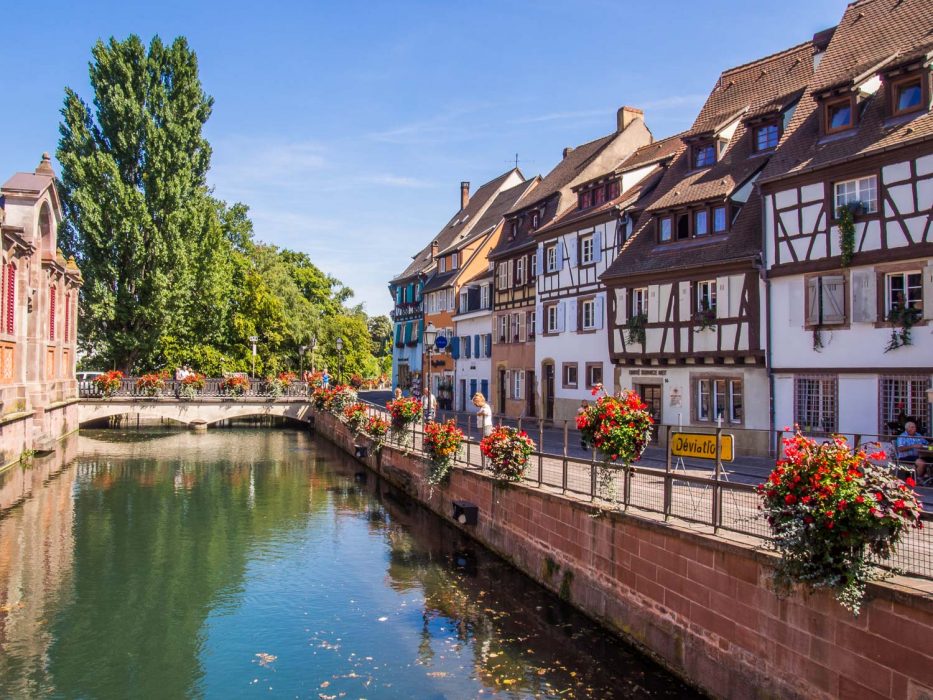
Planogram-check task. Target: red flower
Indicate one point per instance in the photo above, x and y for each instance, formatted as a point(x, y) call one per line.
point(790, 499)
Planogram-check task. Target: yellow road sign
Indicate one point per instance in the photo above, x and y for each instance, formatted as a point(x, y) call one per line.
point(701, 445)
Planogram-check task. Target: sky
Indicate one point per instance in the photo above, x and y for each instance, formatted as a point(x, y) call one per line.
point(347, 127)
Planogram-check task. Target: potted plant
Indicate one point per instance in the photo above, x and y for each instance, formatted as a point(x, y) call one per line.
point(442, 443)
point(833, 512)
point(191, 385)
point(355, 416)
point(508, 451)
point(339, 398)
point(151, 384)
point(404, 412)
point(109, 383)
point(234, 385)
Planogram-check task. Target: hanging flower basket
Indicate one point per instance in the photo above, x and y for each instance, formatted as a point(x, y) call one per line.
point(508, 451)
point(377, 428)
point(833, 512)
point(151, 384)
point(191, 385)
point(109, 383)
point(339, 398)
point(404, 412)
point(355, 416)
point(234, 385)
point(442, 444)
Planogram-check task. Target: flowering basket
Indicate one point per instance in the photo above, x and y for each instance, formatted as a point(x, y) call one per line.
point(235, 385)
point(109, 382)
point(151, 384)
point(376, 427)
point(833, 512)
point(191, 384)
point(355, 416)
point(314, 379)
point(442, 443)
point(508, 451)
point(356, 381)
point(339, 398)
point(404, 412)
point(320, 397)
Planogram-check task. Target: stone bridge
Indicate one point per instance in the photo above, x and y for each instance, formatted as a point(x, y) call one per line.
point(195, 413)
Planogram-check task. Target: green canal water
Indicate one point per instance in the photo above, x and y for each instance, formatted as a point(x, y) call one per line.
point(262, 563)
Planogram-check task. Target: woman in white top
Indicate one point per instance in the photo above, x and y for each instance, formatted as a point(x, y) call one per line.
point(483, 414)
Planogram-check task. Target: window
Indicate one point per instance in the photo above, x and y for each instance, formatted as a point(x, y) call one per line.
point(551, 258)
point(464, 301)
point(613, 189)
point(903, 290)
point(570, 375)
point(585, 199)
point(719, 219)
point(502, 275)
point(513, 228)
point(599, 196)
point(665, 229)
point(704, 156)
point(503, 328)
point(10, 299)
point(530, 322)
point(518, 383)
point(683, 227)
point(706, 296)
point(719, 397)
point(484, 297)
point(535, 219)
point(903, 398)
point(826, 300)
point(588, 314)
point(453, 261)
point(520, 271)
point(839, 115)
point(767, 137)
point(908, 96)
point(640, 301)
point(550, 314)
point(862, 191)
point(451, 299)
point(533, 266)
point(52, 312)
point(517, 328)
point(700, 223)
point(586, 250)
point(815, 404)
point(594, 374)
point(443, 264)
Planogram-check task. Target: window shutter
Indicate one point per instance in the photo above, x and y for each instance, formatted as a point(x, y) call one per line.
point(510, 273)
point(597, 246)
point(11, 298)
point(571, 311)
point(834, 305)
point(928, 292)
point(559, 314)
point(522, 330)
point(559, 254)
point(864, 296)
point(813, 300)
point(570, 248)
point(455, 348)
point(495, 329)
point(598, 313)
point(489, 345)
point(722, 298)
point(621, 306)
point(52, 296)
point(476, 342)
point(411, 292)
point(539, 260)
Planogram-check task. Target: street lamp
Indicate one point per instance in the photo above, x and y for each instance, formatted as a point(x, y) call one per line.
point(301, 361)
point(339, 360)
point(311, 345)
point(254, 339)
point(430, 335)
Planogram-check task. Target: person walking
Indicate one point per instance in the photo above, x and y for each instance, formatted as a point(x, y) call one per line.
point(429, 405)
point(325, 379)
point(584, 404)
point(483, 414)
point(398, 393)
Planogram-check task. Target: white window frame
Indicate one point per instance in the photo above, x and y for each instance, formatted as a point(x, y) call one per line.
point(484, 296)
point(550, 256)
point(588, 307)
point(589, 367)
point(587, 256)
point(451, 299)
point(453, 261)
point(520, 271)
point(823, 404)
point(862, 189)
point(706, 291)
point(639, 301)
point(504, 328)
point(722, 393)
point(918, 302)
point(502, 275)
point(533, 266)
point(550, 314)
point(442, 264)
point(670, 228)
point(518, 383)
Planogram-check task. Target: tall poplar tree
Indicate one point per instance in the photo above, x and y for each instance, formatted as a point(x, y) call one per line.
point(137, 208)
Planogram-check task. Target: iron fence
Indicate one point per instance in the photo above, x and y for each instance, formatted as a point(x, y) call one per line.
point(258, 388)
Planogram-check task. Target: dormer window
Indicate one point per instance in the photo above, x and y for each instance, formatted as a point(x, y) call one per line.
point(453, 261)
point(767, 137)
point(664, 229)
point(906, 95)
point(535, 219)
point(614, 189)
point(839, 114)
point(704, 155)
point(443, 264)
point(513, 229)
point(585, 199)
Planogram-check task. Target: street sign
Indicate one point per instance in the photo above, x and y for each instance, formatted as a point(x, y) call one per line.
point(701, 445)
point(440, 342)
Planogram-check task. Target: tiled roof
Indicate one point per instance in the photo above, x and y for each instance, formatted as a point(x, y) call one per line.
point(504, 201)
point(27, 182)
point(652, 153)
point(461, 221)
point(438, 281)
point(870, 32)
point(759, 87)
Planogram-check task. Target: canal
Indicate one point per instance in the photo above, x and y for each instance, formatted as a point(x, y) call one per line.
point(245, 563)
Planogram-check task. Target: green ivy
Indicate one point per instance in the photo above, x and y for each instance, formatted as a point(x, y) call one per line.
point(635, 328)
point(903, 319)
point(846, 215)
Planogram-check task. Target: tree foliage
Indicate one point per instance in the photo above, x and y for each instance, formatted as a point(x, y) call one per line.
point(172, 274)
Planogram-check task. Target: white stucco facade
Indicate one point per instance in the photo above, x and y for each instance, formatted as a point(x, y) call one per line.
point(473, 370)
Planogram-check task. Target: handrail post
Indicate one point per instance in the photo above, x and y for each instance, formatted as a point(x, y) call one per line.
point(717, 494)
point(593, 474)
point(668, 481)
point(469, 435)
point(563, 476)
point(540, 452)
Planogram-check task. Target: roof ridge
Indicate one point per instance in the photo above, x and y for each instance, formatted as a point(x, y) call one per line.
point(769, 57)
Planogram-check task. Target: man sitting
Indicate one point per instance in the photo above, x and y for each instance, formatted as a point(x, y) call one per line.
point(906, 446)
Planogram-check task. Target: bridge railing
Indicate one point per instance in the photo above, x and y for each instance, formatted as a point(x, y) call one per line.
point(258, 388)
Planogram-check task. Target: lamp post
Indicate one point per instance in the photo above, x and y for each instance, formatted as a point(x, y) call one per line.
point(430, 335)
point(253, 339)
point(311, 345)
point(301, 361)
point(339, 360)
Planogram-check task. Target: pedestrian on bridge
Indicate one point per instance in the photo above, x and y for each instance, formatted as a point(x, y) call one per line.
point(429, 405)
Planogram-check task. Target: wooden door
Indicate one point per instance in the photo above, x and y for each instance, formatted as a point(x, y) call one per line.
point(549, 391)
point(651, 395)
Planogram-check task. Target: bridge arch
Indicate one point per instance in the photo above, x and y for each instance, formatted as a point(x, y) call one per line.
point(204, 412)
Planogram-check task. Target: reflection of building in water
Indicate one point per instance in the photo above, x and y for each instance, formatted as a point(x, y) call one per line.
point(38, 315)
point(36, 560)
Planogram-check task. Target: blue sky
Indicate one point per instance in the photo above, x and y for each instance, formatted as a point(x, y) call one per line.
point(347, 127)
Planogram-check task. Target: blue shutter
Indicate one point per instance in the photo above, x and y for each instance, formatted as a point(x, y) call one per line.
point(484, 387)
point(455, 348)
point(466, 347)
point(559, 254)
point(476, 345)
point(398, 333)
point(472, 388)
point(489, 345)
point(411, 292)
point(597, 246)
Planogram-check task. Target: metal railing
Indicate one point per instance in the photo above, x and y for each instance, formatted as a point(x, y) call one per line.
point(258, 388)
point(694, 494)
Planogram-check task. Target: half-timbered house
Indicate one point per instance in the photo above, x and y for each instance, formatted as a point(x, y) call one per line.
point(517, 264)
point(572, 343)
point(685, 294)
point(472, 344)
point(848, 231)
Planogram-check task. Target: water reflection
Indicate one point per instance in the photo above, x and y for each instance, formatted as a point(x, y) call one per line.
point(239, 563)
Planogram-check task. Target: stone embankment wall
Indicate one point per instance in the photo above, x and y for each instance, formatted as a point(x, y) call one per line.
point(699, 604)
point(37, 430)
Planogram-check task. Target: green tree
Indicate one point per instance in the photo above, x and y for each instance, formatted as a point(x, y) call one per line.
point(133, 189)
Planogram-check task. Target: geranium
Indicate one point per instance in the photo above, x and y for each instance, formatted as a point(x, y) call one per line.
point(320, 397)
point(191, 384)
point(355, 416)
point(235, 385)
point(404, 411)
point(356, 381)
point(286, 378)
point(619, 427)
point(832, 511)
point(508, 451)
point(338, 398)
point(314, 379)
point(442, 443)
point(151, 384)
point(376, 427)
point(109, 382)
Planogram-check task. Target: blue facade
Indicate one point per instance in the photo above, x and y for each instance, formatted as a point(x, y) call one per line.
point(407, 331)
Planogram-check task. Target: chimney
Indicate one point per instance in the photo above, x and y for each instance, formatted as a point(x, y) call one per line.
point(464, 195)
point(567, 151)
point(434, 250)
point(625, 116)
point(45, 167)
